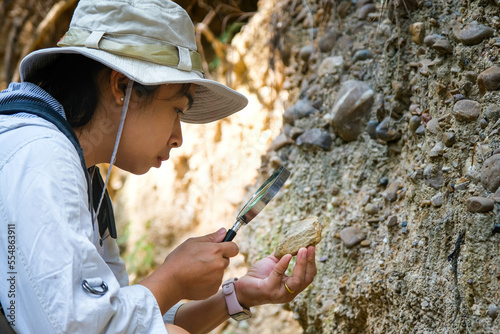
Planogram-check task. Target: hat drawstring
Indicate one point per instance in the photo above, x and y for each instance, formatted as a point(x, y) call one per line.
point(128, 92)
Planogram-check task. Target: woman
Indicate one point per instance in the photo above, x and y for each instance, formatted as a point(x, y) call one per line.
point(124, 77)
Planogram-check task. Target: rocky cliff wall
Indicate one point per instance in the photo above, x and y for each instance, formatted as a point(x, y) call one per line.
point(407, 199)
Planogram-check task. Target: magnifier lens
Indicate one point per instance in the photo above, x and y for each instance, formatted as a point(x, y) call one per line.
point(259, 200)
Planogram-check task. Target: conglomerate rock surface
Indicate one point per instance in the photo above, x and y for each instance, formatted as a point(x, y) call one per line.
point(407, 203)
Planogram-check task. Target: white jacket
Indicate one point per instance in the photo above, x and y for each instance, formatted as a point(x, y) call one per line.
point(44, 215)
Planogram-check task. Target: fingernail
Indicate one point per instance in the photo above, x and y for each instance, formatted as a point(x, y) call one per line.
point(221, 231)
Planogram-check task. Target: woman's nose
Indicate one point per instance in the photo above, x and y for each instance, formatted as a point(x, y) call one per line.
point(176, 136)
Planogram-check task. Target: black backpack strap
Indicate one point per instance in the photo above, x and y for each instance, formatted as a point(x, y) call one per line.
point(105, 218)
point(106, 212)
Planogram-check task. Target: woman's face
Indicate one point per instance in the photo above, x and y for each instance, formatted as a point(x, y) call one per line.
point(153, 128)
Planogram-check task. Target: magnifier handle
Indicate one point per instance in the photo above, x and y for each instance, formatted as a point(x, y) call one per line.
point(229, 235)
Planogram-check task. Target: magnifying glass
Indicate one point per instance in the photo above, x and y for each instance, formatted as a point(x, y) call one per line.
point(259, 200)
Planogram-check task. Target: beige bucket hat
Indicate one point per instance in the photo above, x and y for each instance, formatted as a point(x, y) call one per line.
point(150, 41)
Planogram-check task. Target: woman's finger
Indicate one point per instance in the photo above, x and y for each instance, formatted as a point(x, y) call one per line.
point(311, 269)
point(276, 276)
point(299, 271)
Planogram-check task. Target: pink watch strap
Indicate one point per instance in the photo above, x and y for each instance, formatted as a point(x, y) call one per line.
point(233, 306)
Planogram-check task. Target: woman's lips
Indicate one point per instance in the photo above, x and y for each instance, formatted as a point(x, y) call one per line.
point(159, 160)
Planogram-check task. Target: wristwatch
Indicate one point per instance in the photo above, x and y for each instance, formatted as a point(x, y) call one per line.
point(235, 310)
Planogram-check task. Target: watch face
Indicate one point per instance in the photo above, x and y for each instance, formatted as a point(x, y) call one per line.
point(241, 315)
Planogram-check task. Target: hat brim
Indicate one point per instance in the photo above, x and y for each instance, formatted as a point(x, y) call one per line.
point(212, 101)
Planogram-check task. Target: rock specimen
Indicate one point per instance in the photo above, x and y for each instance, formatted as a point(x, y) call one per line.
point(306, 232)
point(352, 106)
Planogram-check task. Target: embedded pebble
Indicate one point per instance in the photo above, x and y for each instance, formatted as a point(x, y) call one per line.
point(330, 65)
point(429, 40)
point(414, 122)
point(437, 150)
point(462, 185)
point(479, 204)
point(443, 46)
point(433, 176)
point(496, 195)
point(470, 75)
point(362, 55)
point(474, 33)
point(391, 193)
point(466, 110)
point(492, 112)
point(306, 232)
point(386, 132)
point(490, 173)
point(392, 221)
point(306, 52)
point(483, 123)
point(371, 128)
point(424, 65)
point(383, 182)
point(371, 209)
point(281, 141)
point(315, 137)
point(352, 105)
point(437, 200)
point(489, 79)
point(365, 10)
point(417, 31)
point(449, 139)
point(302, 108)
point(493, 311)
point(351, 236)
point(433, 126)
point(365, 243)
point(343, 8)
point(327, 42)
point(334, 190)
point(295, 132)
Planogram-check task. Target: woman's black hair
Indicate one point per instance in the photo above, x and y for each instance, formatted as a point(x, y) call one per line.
point(72, 80)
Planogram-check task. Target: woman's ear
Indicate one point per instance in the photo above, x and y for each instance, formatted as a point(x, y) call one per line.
point(118, 84)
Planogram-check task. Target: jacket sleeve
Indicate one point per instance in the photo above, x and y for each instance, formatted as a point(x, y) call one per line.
point(43, 204)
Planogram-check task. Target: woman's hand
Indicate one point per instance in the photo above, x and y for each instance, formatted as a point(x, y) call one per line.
point(265, 282)
point(194, 270)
